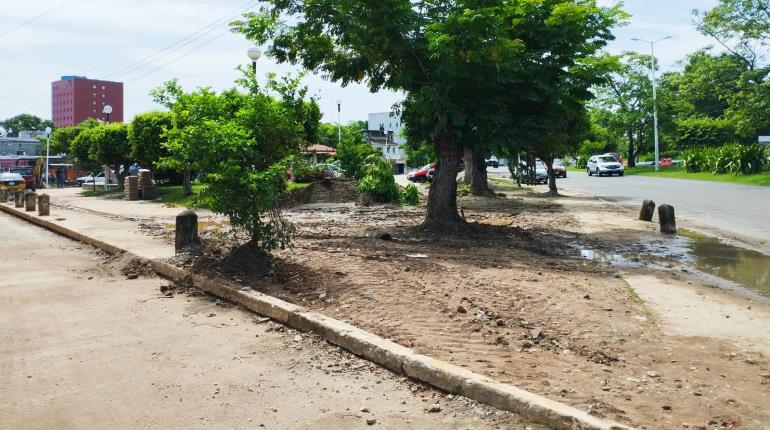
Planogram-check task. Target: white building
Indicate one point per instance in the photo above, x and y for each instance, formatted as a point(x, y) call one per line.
point(386, 134)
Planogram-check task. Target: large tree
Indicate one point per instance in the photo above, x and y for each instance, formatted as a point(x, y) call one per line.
point(146, 137)
point(452, 59)
point(22, 122)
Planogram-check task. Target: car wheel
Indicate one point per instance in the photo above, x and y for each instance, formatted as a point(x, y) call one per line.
point(598, 172)
point(621, 174)
point(590, 173)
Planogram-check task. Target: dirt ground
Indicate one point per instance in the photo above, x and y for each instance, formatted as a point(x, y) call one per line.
point(90, 342)
point(511, 297)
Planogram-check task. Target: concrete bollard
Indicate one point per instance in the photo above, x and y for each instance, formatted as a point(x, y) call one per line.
point(3, 195)
point(30, 202)
point(187, 239)
point(43, 205)
point(647, 211)
point(667, 219)
point(18, 199)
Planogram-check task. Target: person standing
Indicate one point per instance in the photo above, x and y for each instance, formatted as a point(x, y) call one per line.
point(59, 178)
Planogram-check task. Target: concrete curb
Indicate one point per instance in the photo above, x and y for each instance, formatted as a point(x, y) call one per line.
point(399, 359)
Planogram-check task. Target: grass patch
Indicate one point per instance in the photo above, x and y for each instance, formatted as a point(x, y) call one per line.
point(678, 172)
point(100, 192)
point(297, 186)
point(501, 185)
point(173, 195)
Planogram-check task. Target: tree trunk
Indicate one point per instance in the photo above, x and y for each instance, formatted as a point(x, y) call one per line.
point(469, 166)
point(479, 184)
point(187, 184)
point(442, 199)
point(631, 149)
point(552, 190)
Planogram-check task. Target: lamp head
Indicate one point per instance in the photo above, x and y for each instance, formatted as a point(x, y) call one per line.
point(254, 53)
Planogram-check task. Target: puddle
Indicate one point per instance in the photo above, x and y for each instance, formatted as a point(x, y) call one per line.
point(708, 255)
point(748, 268)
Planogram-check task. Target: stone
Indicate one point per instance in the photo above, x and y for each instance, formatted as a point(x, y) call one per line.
point(364, 409)
point(652, 374)
point(3, 195)
point(386, 236)
point(434, 408)
point(461, 310)
point(30, 202)
point(667, 219)
point(297, 338)
point(18, 199)
point(44, 205)
point(535, 333)
point(187, 239)
point(647, 211)
point(371, 421)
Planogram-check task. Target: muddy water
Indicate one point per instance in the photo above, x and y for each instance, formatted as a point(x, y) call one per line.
point(743, 266)
point(748, 268)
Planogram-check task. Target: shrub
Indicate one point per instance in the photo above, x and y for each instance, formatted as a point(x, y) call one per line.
point(352, 155)
point(378, 181)
point(734, 158)
point(410, 196)
point(307, 172)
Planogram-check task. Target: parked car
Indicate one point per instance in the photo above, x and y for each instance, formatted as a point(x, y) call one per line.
point(601, 165)
point(91, 179)
point(27, 174)
point(541, 173)
point(12, 181)
point(493, 163)
point(559, 169)
point(421, 175)
point(331, 170)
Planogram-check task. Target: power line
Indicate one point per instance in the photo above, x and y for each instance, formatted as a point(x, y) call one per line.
point(31, 20)
point(181, 43)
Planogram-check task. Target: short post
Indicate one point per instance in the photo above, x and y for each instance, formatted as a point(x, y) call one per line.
point(43, 205)
point(30, 202)
point(667, 219)
point(18, 199)
point(3, 195)
point(647, 211)
point(187, 239)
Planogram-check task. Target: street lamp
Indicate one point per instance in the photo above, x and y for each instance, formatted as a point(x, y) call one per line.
point(107, 110)
point(254, 54)
point(48, 131)
point(339, 121)
point(654, 95)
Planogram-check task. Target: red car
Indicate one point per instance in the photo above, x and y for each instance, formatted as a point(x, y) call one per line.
point(422, 175)
point(27, 174)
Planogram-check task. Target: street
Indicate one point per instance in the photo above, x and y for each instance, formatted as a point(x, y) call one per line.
point(83, 347)
point(737, 210)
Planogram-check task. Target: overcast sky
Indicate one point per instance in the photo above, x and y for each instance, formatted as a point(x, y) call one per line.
point(125, 40)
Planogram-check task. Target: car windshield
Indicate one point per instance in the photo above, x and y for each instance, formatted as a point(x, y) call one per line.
point(558, 163)
point(426, 167)
point(608, 159)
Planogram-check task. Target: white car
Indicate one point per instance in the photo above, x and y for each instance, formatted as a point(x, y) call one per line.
point(601, 165)
point(90, 179)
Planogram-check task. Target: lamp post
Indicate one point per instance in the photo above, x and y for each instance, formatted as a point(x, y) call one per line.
point(254, 54)
point(107, 110)
point(339, 121)
point(48, 131)
point(654, 95)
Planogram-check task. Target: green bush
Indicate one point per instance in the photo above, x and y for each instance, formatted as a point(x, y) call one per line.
point(410, 196)
point(734, 158)
point(305, 172)
point(378, 181)
point(352, 155)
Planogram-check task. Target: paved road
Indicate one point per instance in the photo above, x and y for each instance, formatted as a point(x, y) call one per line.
point(81, 347)
point(740, 210)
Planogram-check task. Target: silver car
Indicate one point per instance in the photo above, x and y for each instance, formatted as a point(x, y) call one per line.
point(601, 165)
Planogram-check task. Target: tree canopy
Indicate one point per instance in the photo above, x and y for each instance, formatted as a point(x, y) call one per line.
point(24, 121)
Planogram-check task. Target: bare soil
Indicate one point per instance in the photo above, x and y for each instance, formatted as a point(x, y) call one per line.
point(509, 296)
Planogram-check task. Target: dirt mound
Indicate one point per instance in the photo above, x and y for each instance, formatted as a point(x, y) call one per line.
point(136, 268)
point(326, 191)
point(245, 262)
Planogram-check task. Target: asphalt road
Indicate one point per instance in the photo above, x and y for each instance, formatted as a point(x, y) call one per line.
point(82, 347)
point(739, 210)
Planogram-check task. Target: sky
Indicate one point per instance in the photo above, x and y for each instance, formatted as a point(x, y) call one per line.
point(147, 42)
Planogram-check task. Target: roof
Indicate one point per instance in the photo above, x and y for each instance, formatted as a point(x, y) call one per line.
point(321, 149)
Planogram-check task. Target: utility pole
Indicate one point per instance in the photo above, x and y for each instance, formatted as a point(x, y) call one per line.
point(654, 96)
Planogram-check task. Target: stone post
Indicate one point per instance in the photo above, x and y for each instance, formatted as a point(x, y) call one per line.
point(30, 202)
point(187, 239)
point(3, 195)
point(647, 211)
point(667, 219)
point(18, 199)
point(43, 205)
